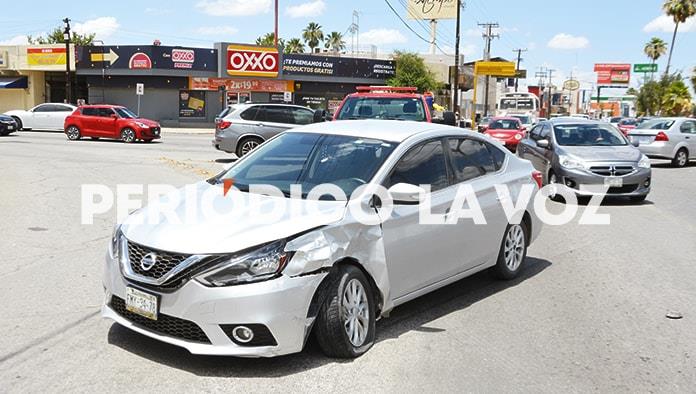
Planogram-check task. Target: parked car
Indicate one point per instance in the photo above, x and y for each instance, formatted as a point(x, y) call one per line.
point(248, 287)
point(575, 152)
point(389, 102)
point(7, 125)
point(667, 138)
point(627, 124)
point(614, 120)
point(527, 120)
point(110, 121)
point(48, 116)
point(507, 130)
point(241, 128)
point(482, 125)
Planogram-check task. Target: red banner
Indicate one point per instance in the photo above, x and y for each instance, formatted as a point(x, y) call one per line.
point(613, 74)
point(240, 85)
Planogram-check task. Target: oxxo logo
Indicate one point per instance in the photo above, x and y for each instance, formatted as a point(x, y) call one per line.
point(246, 60)
point(183, 55)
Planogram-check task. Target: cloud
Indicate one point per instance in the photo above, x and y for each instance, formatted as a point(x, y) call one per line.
point(103, 27)
point(665, 24)
point(568, 41)
point(234, 7)
point(158, 11)
point(469, 50)
point(16, 40)
point(305, 10)
point(382, 37)
point(217, 31)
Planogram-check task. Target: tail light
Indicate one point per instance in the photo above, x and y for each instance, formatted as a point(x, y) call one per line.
point(223, 124)
point(661, 136)
point(536, 175)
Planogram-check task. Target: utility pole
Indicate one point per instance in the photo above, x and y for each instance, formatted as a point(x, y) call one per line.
point(275, 34)
point(66, 37)
point(455, 85)
point(433, 35)
point(541, 74)
point(550, 72)
point(355, 33)
point(519, 60)
point(488, 36)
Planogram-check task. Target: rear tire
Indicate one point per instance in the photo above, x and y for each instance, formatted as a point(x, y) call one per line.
point(513, 252)
point(73, 133)
point(247, 144)
point(681, 159)
point(127, 135)
point(345, 325)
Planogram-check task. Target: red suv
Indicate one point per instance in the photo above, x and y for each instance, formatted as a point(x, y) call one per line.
point(109, 121)
point(388, 102)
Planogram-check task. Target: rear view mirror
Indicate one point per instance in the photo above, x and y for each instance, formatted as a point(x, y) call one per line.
point(405, 193)
point(543, 144)
point(320, 115)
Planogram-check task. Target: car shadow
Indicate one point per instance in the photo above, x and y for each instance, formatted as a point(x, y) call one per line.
point(412, 316)
point(227, 160)
point(110, 140)
point(668, 165)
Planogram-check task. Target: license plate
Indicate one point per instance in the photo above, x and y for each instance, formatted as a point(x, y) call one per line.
point(141, 303)
point(10, 127)
point(643, 139)
point(613, 182)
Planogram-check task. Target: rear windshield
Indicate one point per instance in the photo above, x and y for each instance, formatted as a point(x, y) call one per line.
point(504, 124)
point(657, 124)
point(382, 108)
point(588, 135)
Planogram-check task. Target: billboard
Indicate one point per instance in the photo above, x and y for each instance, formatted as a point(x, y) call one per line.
point(613, 73)
point(46, 56)
point(296, 65)
point(252, 61)
point(432, 9)
point(240, 84)
point(147, 57)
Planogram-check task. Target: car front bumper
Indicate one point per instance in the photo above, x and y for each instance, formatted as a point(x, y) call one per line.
point(8, 127)
point(281, 305)
point(585, 183)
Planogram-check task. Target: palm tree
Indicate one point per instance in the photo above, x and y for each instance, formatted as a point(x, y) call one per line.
point(693, 78)
point(268, 40)
point(313, 35)
point(654, 49)
point(334, 42)
point(294, 45)
point(680, 11)
point(677, 99)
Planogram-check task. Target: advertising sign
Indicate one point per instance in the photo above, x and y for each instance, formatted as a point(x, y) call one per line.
point(341, 67)
point(140, 60)
point(147, 57)
point(191, 104)
point(241, 84)
point(645, 68)
point(497, 69)
point(46, 56)
point(613, 74)
point(571, 85)
point(432, 9)
point(183, 58)
point(252, 61)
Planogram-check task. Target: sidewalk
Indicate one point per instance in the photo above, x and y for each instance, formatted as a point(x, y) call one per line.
point(186, 130)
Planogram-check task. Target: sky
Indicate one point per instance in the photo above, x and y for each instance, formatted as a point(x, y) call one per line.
point(566, 36)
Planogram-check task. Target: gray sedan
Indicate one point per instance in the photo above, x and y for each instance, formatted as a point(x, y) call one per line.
point(667, 138)
point(584, 153)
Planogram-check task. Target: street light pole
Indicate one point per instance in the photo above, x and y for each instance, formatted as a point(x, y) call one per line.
point(275, 36)
point(455, 86)
point(66, 37)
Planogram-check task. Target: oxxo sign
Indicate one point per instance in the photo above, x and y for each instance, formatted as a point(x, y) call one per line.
point(252, 61)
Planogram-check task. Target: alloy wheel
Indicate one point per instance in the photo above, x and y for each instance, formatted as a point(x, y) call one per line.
point(248, 146)
point(356, 316)
point(73, 133)
point(127, 135)
point(514, 247)
point(681, 158)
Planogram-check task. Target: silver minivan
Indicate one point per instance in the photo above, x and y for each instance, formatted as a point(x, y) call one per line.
point(667, 138)
point(240, 128)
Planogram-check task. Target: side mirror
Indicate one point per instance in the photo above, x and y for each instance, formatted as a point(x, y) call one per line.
point(113, 116)
point(449, 118)
point(543, 144)
point(406, 194)
point(320, 115)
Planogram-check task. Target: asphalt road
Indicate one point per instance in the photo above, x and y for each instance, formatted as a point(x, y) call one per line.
point(588, 314)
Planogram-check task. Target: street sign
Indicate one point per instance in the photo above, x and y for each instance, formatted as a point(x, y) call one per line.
point(521, 74)
point(139, 89)
point(109, 57)
point(496, 69)
point(571, 85)
point(287, 97)
point(645, 68)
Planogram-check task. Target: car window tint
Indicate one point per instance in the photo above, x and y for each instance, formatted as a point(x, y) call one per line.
point(545, 132)
point(534, 133)
point(422, 165)
point(470, 159)
point(43, 108)
point(105, 112)
point(497, 155)
point(278, 114)
point(61, 108)
point(250, 114)
point(302, 116)
point(90, 112)
point(688, 127)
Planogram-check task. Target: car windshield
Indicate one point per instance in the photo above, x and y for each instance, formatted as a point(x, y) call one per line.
point(588, 135)
point(310, 159)
point(657, 124)
point(504, 124)
point(125, 113)
point(628, 122)
point(522, 118)
point(615, 120)
point(382, 108)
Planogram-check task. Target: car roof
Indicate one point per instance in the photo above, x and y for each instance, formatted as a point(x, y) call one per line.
point(507, 118)
point(385, 95)
point(571, 119)
point(387, 130)
point(101, 106)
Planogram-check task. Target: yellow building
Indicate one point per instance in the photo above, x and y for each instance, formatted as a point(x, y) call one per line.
point(32, 74)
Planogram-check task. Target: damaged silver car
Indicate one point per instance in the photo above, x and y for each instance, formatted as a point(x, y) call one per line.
point(238, 284)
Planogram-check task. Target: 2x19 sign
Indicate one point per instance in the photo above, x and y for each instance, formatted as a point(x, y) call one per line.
point(252, 61)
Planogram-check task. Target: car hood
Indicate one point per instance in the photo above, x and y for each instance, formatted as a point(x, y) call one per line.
point(5, 117)
point(235, 223)
point(503, 131)
point(148, 122)
point(16, 112)
point(603, 153)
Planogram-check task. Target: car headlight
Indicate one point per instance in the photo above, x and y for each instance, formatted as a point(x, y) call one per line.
point(644, 162)
point(257, 265)
point(115, 244)
point(518, 136)
point(570, 163)
point(142, 125)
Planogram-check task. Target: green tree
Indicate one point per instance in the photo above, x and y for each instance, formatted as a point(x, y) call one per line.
point(56, 37)
point(412, 71)
point(693, 78)
point(334, 42)
point(268, 40)
point(294, 45)
point(654, 49)
point(648, 98)
point(680, 11)
point(313, 35)
point(676, 100)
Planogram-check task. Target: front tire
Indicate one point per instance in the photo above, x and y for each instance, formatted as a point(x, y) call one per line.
point(513, 252)
point(73, 133)
point(345, 325)
point(127, 135)
point(20, 126)
point(681, 159)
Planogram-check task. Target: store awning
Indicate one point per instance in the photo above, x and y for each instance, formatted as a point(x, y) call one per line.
point(14, 82)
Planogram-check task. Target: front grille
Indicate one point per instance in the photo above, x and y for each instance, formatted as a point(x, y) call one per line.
point(165, 324)
point(165, 261)
point(623, 189)
point(612, 170)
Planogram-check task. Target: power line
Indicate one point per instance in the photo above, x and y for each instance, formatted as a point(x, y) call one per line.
point(411, 29)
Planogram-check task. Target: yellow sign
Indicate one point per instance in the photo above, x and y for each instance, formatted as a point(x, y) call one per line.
point(496, 69)
point(432, 9)
point(45, 56)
